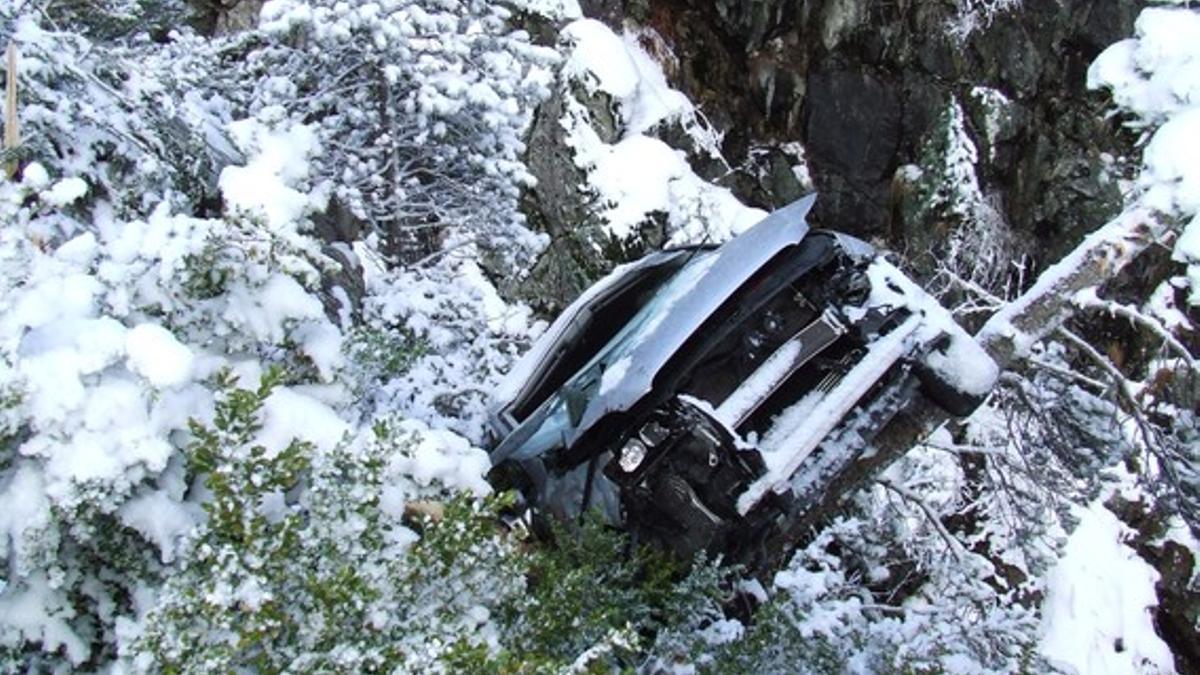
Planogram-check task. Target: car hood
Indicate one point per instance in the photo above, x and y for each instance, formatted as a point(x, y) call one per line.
point(635, 357)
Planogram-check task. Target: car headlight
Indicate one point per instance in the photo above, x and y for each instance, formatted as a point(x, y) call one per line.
point(632, 454)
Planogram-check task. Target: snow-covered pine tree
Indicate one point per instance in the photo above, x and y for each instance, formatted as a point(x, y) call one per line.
point(419, 108)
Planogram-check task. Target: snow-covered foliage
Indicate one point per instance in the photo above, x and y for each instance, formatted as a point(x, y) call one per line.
point(418, 108)
point(158, 257)
point(971, 243)
point(218, 453)
point(1153, 77)
point(332, 569)
point(448, 340)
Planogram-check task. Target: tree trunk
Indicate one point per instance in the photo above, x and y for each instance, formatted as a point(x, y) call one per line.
point(12, 129)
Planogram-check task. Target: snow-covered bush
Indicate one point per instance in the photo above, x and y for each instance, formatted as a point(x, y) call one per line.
point(304, 563)
point(419, 109)
point(459, 339)
point(124, 125)
point(122, 294)
point(309, 561)
point(156, 255)
point(112, 19)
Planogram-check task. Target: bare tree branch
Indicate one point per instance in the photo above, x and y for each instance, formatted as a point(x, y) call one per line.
point(1044, 307)
point(907, 495)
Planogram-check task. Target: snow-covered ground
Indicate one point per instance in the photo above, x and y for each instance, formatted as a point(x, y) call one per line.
point(1097, 615)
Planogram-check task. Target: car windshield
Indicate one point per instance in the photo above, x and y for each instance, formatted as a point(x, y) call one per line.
point(564, 410)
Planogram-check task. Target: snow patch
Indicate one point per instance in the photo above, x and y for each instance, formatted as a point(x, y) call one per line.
point(161, 520)
point(639, 176)
point(65, 192)
point(442, 457)
point(154, 353)
point(290, 415)
point(1097, 614)
point(552, 9)
point(267, 185)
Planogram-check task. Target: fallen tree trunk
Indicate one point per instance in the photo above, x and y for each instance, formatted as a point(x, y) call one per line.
point(1006, 337)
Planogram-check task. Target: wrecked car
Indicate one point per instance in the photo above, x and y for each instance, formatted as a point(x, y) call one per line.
point(697, 396)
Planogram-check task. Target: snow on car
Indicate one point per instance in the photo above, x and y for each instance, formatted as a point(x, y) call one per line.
point(696, 396)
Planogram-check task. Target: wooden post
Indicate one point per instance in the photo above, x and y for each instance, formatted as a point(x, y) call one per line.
point(12, 129)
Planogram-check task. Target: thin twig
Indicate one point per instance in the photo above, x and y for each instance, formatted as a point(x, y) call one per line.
point(920, 503)
point(1150, 437)
point(1068, 373)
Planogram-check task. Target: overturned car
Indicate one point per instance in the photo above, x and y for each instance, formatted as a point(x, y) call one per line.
point(701, 396)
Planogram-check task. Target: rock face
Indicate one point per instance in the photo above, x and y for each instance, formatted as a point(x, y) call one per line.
point(558, 206)
point(225, 18)
point(862, 86)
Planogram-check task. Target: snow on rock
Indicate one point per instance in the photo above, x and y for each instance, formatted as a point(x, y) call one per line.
point(1097, 612)
point(154, 353)
point(600, 53)
point(619, 66)
point(635, 176)
point(640, 175)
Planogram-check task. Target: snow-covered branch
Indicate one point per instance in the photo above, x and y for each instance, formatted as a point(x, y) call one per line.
point(1088, 299)
point(1034, 315)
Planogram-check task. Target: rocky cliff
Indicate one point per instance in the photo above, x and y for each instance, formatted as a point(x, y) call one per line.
point(862, 86)
point(862, 91)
